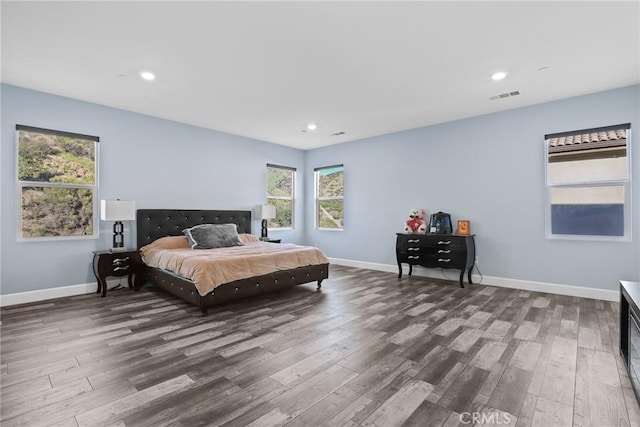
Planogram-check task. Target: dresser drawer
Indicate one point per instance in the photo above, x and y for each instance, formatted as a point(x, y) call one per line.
point(432, 260)
point(417, 258)
point(120, 264)
point(446, 242)
point(407, 241)
point(451, 261)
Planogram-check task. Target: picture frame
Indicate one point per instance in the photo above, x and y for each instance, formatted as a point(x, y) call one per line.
point(464, 227)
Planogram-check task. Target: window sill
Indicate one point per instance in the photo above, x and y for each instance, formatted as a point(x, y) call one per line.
point(55, 239)
point(613, 239)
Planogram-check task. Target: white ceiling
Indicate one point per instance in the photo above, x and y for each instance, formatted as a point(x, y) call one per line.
point(266, 69)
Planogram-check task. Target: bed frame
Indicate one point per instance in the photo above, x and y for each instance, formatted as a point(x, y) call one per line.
point(153, 224)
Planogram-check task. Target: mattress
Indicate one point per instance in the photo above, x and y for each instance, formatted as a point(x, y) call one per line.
point(210, 268)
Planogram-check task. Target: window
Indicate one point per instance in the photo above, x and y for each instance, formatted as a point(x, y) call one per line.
point(56, 184)
point(329, 188)
point(588, 183)
point(280, 193)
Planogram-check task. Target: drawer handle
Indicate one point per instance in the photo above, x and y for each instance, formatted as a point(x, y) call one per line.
point(442, 251)
point(444, 260)
point(444, 242)
point(413, 249)
point(413, 240)
point(120, 260)
point(414, 257)
point(126, 267)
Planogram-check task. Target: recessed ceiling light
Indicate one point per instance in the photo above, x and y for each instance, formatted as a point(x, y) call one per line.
point(312, 126)
point(147, 75)
point(499, 76)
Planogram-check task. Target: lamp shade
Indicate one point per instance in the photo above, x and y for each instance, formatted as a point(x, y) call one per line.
point(265, 211)
point(117, 210)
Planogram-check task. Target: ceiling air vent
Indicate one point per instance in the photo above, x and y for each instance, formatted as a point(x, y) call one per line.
point(338, 133)
point(505, 95)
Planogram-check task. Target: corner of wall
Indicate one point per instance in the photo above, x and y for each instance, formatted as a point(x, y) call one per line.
point(1, 145)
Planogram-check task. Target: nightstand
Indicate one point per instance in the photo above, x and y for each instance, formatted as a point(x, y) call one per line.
point(118, 264)
point(269, 240)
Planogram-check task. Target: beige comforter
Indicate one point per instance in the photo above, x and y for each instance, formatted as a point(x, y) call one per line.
point(210, 268)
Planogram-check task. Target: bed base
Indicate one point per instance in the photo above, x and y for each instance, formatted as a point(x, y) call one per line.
point(185, 289)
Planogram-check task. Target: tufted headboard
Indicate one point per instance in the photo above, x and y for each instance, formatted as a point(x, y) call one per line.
point(153, 224)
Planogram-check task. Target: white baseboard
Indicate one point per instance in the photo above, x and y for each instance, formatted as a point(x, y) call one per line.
point(552, 288)
point(46, 294)
point(527, 285)
point(363, 264)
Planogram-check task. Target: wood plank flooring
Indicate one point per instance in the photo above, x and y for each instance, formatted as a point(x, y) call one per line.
point(367, 350)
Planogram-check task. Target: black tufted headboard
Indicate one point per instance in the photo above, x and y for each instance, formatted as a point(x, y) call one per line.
point(153, 224)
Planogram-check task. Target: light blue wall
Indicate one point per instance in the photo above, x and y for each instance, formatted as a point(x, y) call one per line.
point(487, 169)
point(490, 170)
point(157, 163)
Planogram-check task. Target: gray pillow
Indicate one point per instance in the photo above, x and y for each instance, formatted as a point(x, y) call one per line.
point(210, 236)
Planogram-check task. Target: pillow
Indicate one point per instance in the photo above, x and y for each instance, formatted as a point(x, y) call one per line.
point(210, 236)
point(169, 242)
point(248, 238)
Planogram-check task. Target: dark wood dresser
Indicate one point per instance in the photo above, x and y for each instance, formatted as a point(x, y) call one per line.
point(436, 250)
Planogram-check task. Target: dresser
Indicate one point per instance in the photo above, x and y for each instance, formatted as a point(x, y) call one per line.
point(436, 250)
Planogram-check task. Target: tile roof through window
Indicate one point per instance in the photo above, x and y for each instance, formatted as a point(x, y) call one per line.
point(588, 141)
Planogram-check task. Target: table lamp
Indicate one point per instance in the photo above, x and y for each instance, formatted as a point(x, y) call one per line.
point(118, 211)
point(265, 212)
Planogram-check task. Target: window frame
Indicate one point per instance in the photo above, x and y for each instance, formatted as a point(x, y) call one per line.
point(317, 198)
point(20, 185)
point(624, 183)
point(292, 198)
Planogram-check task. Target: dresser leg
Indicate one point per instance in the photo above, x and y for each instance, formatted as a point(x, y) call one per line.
point(399, 271)
point(470, 270)
point(410, 269)
point(103, 282)
point(94, 265)
point(462, 278)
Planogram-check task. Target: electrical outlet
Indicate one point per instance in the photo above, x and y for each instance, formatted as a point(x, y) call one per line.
point(476, 261)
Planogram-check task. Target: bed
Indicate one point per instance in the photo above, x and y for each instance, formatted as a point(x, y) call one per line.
point(153, 224)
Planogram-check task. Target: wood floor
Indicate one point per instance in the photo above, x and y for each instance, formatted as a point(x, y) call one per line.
point(367, 350)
